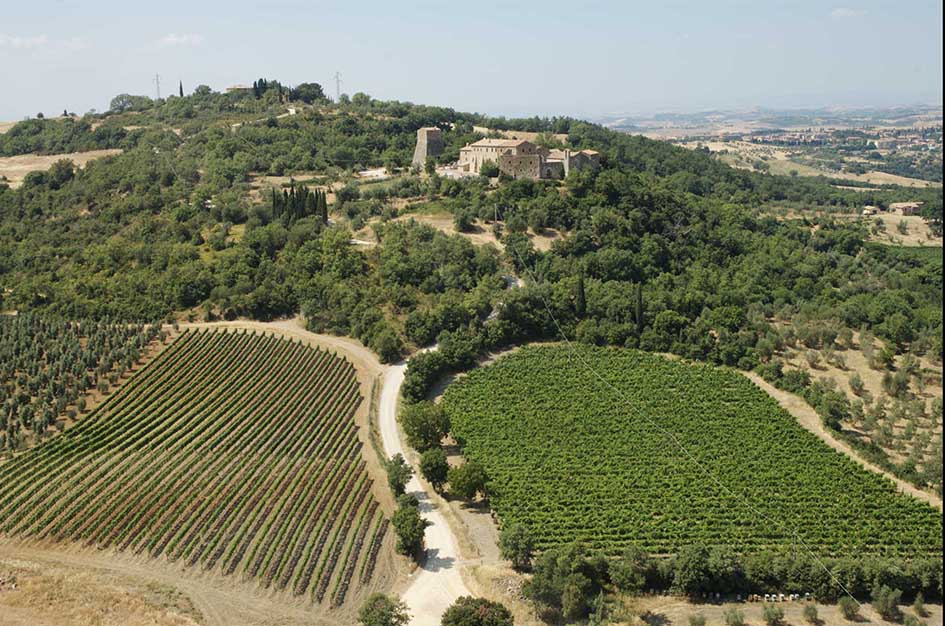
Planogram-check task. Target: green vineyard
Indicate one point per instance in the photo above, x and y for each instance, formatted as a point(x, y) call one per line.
point(572, 459)
point(232, 451)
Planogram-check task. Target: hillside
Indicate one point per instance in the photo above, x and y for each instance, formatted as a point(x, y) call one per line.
point(236, 459)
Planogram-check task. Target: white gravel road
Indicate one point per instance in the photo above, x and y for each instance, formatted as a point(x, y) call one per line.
point(435, 586)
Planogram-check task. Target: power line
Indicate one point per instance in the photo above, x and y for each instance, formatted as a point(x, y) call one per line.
point(797, 540)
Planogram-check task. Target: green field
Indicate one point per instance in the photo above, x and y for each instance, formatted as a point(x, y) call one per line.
point(232, 451)
point(572, 459)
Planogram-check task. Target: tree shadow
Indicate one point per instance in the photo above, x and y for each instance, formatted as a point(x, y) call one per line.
point(424, 505)
point(655, 619)
point(432, 562)
point(479, 507)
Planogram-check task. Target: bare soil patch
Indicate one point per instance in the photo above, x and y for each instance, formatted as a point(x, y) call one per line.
point(5, 126)
point(16, 168)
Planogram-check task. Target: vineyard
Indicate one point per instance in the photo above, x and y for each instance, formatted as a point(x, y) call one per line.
point(234, 452)
point(571, 458)
point(48, 365)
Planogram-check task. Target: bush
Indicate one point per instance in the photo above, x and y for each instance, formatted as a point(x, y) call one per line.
point(919, 605)
point(381, 610)
point(773, 615)
point(912, 620)
point(628, 572)
point(886, 603)
point(697, 620)
point(810, 614)
point(734, 617)
point(469, 611)
point(849, 608)
point(489, 169)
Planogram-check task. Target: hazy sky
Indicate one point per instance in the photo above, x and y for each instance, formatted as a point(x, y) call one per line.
point(585, 57)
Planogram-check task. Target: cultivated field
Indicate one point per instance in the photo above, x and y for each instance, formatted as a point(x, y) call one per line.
point(779, 160)
point(570, 458)
point(15, 168)
point(234, 452)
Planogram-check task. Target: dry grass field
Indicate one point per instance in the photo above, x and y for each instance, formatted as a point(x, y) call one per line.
point(902, 230)
point(33, 591)
point(743, 155)
point(16, 168)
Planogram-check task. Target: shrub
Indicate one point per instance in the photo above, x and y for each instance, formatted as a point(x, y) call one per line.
point(912, 620)
point(886, 603)
point(469, 611)
point(773, 615)
point(381, 610)
point(849, 608)
point(697, 620)
point(810, 614)
point(919, 605)
point(734, 617)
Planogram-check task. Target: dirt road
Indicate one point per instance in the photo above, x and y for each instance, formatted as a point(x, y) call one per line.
point(435, 586)
point(809, 419)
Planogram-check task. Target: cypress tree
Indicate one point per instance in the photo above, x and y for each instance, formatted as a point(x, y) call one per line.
point(580, 302)
point(180, 87)
point(323, 204)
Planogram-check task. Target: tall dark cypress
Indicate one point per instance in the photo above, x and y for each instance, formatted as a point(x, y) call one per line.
point(580, 302)
point(180, 88)
point(323, 204)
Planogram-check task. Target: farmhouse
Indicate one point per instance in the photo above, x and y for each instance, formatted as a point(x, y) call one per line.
point(906, 208)
point(520, 158)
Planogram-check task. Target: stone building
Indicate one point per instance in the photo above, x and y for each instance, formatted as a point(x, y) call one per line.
point(429, 144)
point(472, 156)
point(519, 158)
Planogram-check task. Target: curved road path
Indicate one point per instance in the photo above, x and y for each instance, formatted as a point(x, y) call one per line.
point(438, 583)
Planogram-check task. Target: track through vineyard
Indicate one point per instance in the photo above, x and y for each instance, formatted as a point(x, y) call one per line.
point(233, 451)
point(571, 459)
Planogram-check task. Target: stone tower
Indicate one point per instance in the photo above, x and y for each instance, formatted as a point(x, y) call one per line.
point(429, 143)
